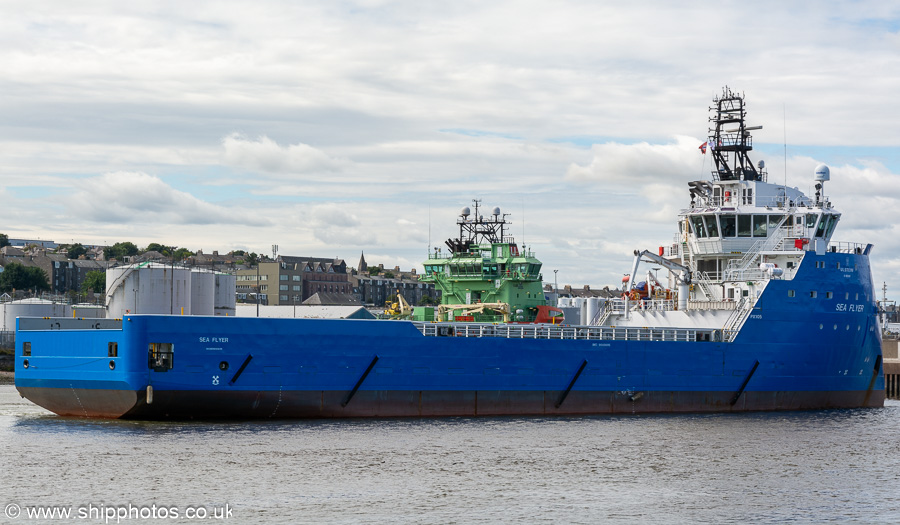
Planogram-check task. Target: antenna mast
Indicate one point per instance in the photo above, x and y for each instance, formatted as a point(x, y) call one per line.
point(730, 146)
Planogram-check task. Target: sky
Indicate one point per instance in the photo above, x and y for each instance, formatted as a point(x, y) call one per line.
point(341, 127)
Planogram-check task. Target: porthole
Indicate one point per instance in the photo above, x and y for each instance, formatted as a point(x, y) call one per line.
point(821, 327)
point(848, 327)
point(112, 365)
point(835, 327)
point(25, 363)
point(223, 365)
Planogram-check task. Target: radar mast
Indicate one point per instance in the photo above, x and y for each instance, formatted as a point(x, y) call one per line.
point(477, 229)
point(730, 140)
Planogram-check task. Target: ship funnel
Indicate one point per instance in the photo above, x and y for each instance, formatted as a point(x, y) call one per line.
point(823, 173)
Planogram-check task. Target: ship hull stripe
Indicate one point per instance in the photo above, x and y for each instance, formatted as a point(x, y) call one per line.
point(216, 404)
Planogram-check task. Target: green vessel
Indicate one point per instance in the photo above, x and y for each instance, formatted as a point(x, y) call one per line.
point(484, 277)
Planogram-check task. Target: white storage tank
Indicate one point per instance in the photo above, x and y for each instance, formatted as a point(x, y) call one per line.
point(593, 309)
point(225, 290)
point(32, 307)
point(87, 311)
point(148, 288)
point(203, 292)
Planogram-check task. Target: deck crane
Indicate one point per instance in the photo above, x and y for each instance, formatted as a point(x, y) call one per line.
point(682, 274)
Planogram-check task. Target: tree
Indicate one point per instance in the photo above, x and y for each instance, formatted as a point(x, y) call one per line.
point(94, 282)
point(181, 254)
point(18, 277)
point(388, 275)
point(37, 279)
point(252, 258)
point(12, 277)
point(4, 240)
point(161, 248)
point(76, 250)
point(119, 250)
point(426, 300)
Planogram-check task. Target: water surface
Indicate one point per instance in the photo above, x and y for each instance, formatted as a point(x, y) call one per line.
point(770, 467)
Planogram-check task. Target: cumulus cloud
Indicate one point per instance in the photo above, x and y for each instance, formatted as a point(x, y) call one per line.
point(335, 224)
point(267, 156)
point(135, 197)
point(643, 162)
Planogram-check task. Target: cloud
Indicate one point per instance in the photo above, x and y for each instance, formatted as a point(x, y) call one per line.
point(134, 197)
point(265, 155)
point(334, 224)
point(435, 104)
point(643, 162)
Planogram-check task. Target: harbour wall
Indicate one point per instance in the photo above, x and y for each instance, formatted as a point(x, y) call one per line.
point(889, 349)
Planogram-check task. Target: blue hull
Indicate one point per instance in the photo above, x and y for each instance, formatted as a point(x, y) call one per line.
point(792, 353)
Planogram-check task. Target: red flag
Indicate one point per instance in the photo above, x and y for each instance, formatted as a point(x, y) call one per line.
point(703, 148)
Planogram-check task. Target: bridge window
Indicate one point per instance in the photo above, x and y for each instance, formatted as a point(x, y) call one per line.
point(745, 227)
point(829, 295)
point(760, 225)
point(699, 229)
point(711, 226)
point(112, 349)
point(811, 219)
point(791, 293)
point(820, 231)
point(832, 222)
point(729, 225)
point(813, 294)
point(774, 220)
point(26, 349)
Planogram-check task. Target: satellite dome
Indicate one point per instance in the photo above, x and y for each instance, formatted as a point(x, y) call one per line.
point(497, 210)
point(823, 173)
point(465, 211)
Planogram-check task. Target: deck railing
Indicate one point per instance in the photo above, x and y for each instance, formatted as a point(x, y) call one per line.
point(593, 333)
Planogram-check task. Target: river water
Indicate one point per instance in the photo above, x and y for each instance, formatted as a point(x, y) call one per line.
point(771, 467)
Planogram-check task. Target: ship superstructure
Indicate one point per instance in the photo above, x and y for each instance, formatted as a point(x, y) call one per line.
point(738, 234)
point(484, 276)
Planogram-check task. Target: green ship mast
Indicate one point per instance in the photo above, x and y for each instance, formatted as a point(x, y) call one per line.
point(484, 277)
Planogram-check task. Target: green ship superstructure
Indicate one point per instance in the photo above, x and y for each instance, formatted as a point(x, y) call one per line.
point(485, 277)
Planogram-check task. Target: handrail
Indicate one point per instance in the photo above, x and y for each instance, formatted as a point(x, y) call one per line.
point(736, 320)
point(547, 331)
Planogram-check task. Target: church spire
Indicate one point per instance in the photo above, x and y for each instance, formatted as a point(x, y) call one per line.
point(363, 267)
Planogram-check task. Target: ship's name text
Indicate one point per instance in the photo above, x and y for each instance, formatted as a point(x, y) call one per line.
point(843, 307)
point(213, 339)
